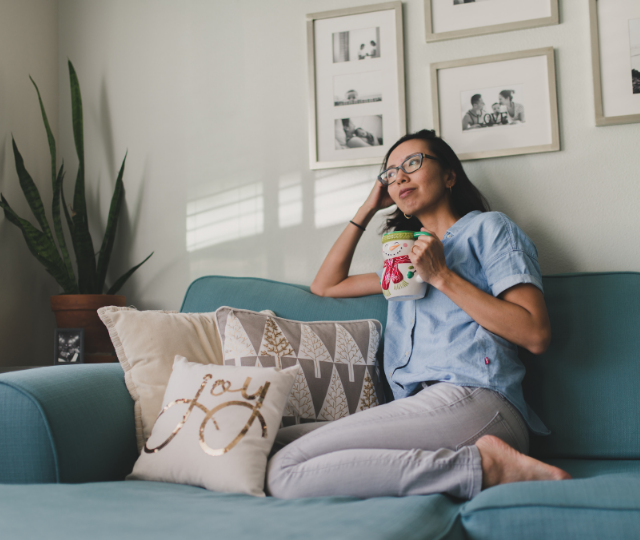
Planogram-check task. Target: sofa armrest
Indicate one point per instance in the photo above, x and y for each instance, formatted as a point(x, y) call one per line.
point(66, 424)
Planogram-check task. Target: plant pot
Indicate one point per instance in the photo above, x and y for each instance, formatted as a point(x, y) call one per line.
point(81, 311)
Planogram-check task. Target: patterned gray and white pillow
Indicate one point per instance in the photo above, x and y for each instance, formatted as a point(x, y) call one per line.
point(339, 373)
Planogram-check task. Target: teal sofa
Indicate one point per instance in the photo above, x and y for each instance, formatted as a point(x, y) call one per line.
point(67, 440)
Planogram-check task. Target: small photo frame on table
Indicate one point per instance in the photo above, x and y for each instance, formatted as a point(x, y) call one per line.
point(451, 19)
point(69, 346)
point(499, 105)
point(615, 54)
point(356, 84)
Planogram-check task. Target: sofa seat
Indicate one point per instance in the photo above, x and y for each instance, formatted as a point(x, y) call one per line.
point(603, 501)
point(138, 510)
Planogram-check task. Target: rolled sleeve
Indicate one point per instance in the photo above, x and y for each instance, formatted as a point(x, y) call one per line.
point(511, 269)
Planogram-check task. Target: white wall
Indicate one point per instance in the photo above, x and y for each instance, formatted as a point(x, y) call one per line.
point(28, 46)
point(209, 96)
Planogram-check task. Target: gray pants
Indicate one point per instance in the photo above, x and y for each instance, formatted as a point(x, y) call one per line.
point(413, 446)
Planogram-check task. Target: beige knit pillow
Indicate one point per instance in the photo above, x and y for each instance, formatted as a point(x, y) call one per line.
point(147, 342)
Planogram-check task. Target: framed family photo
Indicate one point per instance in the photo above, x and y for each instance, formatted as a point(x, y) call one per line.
point(450, 19)
point(615, 54)
point(500, 105)
point(356, 84)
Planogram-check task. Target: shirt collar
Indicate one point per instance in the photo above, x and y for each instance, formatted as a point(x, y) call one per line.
point(461, 223)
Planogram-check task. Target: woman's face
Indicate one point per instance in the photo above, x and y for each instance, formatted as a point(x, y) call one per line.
point(504, 100)
point(421, 189)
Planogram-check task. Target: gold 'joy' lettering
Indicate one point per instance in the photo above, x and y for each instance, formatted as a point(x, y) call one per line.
point(222, 386)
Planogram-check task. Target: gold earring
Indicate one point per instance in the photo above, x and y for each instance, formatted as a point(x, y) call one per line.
point(408, 217)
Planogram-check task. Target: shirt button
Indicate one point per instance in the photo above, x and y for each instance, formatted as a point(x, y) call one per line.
point(406, 354)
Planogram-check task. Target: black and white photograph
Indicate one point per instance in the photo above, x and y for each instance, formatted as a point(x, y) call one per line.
point(69, 346)
point(358, 132)
point(634, 44)
point(615, 58)
point(453, 19)
point(459, 2)
point(498, 105)
point(361, 44)
point(357, 88)
point(492, 107)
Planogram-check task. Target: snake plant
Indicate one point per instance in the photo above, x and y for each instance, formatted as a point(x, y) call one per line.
point(91, 266)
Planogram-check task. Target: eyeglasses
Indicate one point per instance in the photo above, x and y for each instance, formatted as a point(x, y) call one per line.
point(409, 165)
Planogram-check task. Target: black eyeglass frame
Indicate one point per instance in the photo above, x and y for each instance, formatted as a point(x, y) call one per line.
point(422, 156)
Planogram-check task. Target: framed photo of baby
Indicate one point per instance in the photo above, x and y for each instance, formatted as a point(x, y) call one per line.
point(499, 105)
point(615, 54)
point(356, 84)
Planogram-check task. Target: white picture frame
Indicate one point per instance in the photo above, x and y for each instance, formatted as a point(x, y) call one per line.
point(451, 19)
point(356, 84)
point(615, 55)
point(517, 112)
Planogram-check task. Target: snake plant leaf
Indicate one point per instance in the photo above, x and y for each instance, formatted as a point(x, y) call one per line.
point(42, 247)
point(66, 213)
point(31, 192)
point(57, 222)
point(110, 231)
point(82, 243)
point(50, 138)
point(121, 281)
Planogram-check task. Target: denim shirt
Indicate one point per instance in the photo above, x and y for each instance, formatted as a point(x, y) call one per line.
point(432, 339)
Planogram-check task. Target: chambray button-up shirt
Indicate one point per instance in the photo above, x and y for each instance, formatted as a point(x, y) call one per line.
point(432, 339)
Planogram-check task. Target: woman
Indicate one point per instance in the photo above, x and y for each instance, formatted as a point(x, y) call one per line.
point(458, 423)
point(515, 111)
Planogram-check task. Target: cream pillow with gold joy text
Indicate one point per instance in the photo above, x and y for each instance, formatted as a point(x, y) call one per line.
point(216, 427)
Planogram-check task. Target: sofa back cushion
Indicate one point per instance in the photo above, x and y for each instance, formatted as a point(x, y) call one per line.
point(288, 301)
point(585, 386)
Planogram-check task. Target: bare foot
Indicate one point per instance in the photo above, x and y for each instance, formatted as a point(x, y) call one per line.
point(502, 464)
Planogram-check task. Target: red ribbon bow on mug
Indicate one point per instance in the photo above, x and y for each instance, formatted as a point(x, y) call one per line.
point(392, 272)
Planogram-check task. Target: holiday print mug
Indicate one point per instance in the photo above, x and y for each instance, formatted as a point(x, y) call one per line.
point(400, 281)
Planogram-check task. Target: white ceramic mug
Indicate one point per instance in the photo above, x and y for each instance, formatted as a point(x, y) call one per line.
point(399, 280)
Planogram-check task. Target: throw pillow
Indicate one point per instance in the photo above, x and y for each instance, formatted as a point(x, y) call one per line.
point(147, 342)
point(339, 373)
point(216, 427)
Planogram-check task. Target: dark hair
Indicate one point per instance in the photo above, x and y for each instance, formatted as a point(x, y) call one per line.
point(465, 197)
point(475, 98)
point(507, 94)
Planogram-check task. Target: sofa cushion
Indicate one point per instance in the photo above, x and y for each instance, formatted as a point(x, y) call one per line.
point(585, 386)
point(147, 342)
point(603, 506)
point(289, 301)
point(205, 436)
point(139, 510)
point(339, 375)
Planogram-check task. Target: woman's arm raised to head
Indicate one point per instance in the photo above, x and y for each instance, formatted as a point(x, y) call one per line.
point(333, 277)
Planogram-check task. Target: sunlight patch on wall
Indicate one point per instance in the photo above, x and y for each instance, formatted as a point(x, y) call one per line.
point(338, 196)
point(289, 200)
point(229, 215)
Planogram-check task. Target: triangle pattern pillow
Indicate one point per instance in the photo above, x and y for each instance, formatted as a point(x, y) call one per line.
point(339, 375)
point(216, 427)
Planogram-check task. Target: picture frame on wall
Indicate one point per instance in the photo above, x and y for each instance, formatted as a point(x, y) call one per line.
point(615, 55)
point(451, 19)
point(356, 84)
point(68, 346)
point(499, 105)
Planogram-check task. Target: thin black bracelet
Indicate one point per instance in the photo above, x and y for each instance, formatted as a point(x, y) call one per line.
point(359, 226)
